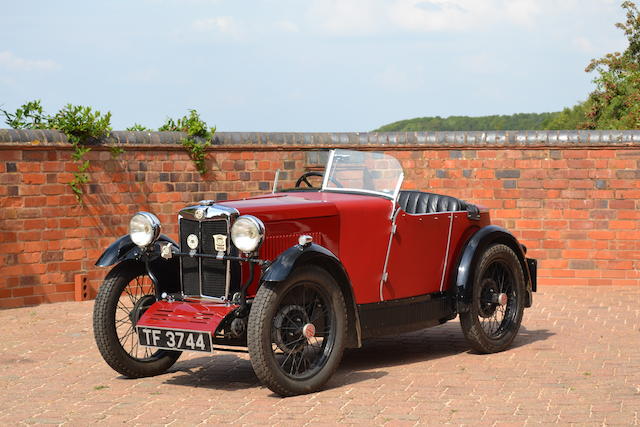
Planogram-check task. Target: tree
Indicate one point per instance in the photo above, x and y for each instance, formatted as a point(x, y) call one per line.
point(615, 102)
point(568, 118)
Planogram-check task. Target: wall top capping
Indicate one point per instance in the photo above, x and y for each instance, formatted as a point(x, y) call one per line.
point(507, 139)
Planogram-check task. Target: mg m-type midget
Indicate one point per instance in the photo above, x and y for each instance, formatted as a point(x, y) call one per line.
point(298, 275)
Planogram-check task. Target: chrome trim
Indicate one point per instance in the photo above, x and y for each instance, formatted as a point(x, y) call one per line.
point(205, 298)
point(385, 275)
point(155, 225)
point(227, 285)
point(327, 170)
point(275, 181)
point(212, 212)
point(396, 192)
point(165, 250)
point(446, 254)
point(305, 240)
point(259, 225)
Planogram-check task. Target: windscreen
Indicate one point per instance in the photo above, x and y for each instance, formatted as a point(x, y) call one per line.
point(363, 171)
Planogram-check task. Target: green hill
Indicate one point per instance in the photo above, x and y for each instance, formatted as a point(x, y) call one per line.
point(520, 121)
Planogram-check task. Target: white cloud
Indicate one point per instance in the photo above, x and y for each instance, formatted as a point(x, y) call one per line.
point(346, 17)
point(395, 79)
point(583, 44)
point(222, 24)
point(483, 63)
point(287, 26)
point(10, 61)
point(430, 15)
point(181, 2)
point(524, 12)
point(367, 17)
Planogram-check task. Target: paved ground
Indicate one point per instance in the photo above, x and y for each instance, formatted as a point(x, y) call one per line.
point(576, 360)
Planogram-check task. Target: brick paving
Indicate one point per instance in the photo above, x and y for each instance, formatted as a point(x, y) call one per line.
point(576, 361)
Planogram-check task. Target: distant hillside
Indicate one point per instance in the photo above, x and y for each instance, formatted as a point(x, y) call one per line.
point(520, 121)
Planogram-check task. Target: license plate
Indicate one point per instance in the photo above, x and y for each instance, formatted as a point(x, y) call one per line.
point(174, 339)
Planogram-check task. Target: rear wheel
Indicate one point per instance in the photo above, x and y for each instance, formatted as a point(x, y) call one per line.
point(497, 305)
point(296, 331)
point(127, 292)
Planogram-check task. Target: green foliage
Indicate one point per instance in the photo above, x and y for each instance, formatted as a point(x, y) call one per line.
point(81, 125)
point(615, 102)
point(137, 127)
point(28, 116)
point(198, 140)
point(116, 151)
point(529, 121)
point(569, 118)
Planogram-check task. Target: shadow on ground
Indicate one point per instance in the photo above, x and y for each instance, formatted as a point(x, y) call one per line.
point(228, 371)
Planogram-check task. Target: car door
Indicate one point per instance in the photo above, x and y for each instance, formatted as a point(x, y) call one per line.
point(419, 254)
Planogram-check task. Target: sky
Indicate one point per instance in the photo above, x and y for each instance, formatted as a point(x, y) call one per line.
point(303, 65)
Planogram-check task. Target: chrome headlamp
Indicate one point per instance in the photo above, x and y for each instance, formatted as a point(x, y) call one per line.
point(144, 228)
point(247, 233)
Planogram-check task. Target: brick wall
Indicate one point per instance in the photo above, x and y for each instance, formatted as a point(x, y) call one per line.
point(571, 197)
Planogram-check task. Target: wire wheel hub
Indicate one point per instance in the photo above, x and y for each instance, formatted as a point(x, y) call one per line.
point(289, 326)
point(309, 331)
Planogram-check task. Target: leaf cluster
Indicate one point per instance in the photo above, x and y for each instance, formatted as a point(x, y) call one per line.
point(199, 137)
point(28, 116)
point(81, 123)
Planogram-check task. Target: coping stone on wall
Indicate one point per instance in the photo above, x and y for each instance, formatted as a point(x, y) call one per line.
point(268, 140)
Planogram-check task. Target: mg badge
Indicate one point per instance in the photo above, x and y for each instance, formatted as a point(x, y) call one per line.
point(220, 242)
point(192, 241)
point(199, 214)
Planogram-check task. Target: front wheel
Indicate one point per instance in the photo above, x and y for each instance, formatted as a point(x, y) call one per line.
point(296, 331)
point(494, 317)
point(127, 292)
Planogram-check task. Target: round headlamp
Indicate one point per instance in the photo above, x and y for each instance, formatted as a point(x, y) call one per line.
point(247, 233)
point(144, 228)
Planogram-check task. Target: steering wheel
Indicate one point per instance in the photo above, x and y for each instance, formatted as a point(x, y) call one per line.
point(306, 175)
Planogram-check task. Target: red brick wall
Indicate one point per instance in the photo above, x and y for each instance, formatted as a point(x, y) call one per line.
point(46, 238)
point(577, 210)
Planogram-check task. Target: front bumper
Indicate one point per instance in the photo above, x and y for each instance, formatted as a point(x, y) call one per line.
point(190, 316)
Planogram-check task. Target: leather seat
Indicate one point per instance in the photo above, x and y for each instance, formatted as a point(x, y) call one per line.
point(419, 202)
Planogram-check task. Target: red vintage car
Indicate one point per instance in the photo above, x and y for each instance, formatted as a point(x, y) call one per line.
point(298, 275)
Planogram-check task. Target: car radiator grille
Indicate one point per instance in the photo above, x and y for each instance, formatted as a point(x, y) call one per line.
point(203, 276)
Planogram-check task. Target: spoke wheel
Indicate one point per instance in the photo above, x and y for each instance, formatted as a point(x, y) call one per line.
point(123, 298)
point(296, 332)
point(497, 305)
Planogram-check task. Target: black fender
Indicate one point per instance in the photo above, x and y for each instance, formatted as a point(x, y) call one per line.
point(313, 253)
point(124, 248)
point(166, 272)
point(470, 255)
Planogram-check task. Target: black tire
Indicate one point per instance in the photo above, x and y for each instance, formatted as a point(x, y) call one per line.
point(125, 294)
point(488, 326)
point(289, 356)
